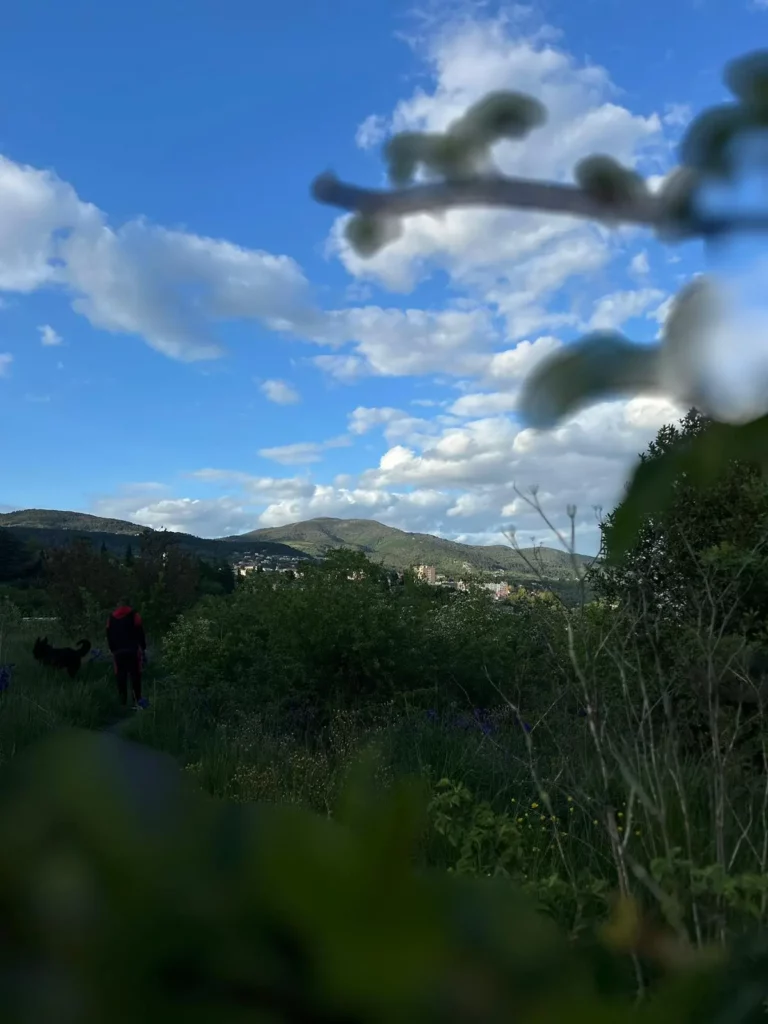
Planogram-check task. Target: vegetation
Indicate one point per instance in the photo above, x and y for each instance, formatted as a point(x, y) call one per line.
point(359, 754)
point(397, 549)
point(47, 528)
point(400, 739)
point(393, 548)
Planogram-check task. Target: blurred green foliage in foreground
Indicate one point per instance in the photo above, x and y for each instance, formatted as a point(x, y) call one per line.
point(126, 894)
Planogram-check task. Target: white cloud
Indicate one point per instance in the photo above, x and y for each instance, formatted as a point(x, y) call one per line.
point(280, 392)
point(303, 452)
point(297, 454)
point(371, 132)
point(458, 482)
point(213, 517)
point(48, 336)
point(484, 404)
point(405, 342)
point(396, 424)
point(678, 115)
point(5, 363)
point(614, 310)
point(513, 260)
point(514, 364)
point(639, 264)
point(166, 286)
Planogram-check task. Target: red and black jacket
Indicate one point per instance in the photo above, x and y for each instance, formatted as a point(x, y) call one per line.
point(125, 631)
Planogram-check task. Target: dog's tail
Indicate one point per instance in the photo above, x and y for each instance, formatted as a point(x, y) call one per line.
point(83, 647)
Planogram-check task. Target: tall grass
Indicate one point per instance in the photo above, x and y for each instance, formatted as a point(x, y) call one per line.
point(575, 790)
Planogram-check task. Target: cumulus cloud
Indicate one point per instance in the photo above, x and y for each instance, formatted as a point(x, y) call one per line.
point(406, 342)
point(303, 452)
point(612, 311)
point(461, 482)
point(48, 336)
point(280, 392)
point(165, 286)
point(520, 284)
point(514, 260)
point(484, 403)
point(678, 115)
point(371, 132)
point(639, 264)
point(395, 424)
point(173, 287)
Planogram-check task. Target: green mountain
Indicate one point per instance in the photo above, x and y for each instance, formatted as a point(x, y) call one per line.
point(51, 519)
point(395, 549)
point(42, 528)
point(400, 550)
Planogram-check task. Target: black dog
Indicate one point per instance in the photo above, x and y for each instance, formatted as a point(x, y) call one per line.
point(68, 658)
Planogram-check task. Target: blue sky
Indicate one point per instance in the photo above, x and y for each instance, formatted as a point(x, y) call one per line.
point(185, 339)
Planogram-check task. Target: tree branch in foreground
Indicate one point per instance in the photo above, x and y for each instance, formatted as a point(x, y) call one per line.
point(519, 193)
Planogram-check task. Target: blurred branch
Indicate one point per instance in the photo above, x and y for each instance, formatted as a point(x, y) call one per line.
point(521, 194)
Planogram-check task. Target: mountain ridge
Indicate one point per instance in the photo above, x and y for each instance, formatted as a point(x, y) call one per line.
point(400, 548)
point(397, 549)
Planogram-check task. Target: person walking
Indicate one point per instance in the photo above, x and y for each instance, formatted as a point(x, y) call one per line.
point(128, 645)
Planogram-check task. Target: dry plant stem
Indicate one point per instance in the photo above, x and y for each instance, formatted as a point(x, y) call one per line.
point(543, 794)
point(519, 194)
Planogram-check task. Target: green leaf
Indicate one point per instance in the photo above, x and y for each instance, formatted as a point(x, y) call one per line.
point(747, 78)
point(695, 309)
point(607, 181)
point(367, 235)
point(707, 145)
point(598, 366)
point(403, 153)
point(701, 460)
point(678, 200)
point(501, 115)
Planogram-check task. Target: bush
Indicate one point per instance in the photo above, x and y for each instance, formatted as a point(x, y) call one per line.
point(239, 913)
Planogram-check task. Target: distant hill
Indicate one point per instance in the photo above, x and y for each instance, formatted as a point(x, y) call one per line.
point(43, 528)
point(393, 548)
point(51, 519)
point(399, 550)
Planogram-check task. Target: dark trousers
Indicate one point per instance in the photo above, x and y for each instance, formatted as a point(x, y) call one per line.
point(128, 664)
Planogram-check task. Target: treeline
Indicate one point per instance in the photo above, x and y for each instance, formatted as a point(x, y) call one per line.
point(76, 583)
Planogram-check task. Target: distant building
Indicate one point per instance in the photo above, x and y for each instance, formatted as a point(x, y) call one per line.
point(428, 573)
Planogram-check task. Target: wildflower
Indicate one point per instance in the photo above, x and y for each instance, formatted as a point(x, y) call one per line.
point(571, 810)
point(569, 799)
point(620, 828)
point(620, 814)
point(638, 832)
point(520, 821)
point(595, 821)
point(535, 806)
point(513, 800)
